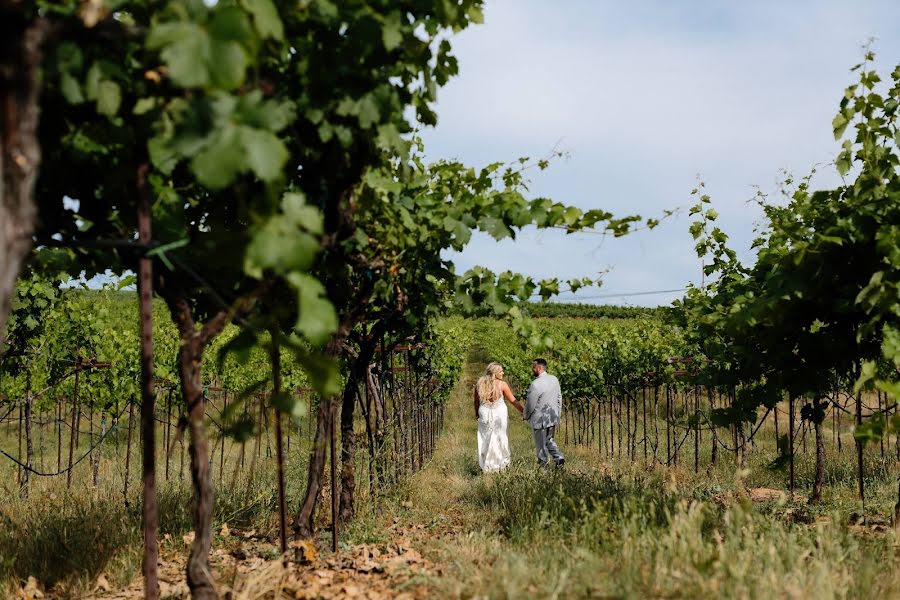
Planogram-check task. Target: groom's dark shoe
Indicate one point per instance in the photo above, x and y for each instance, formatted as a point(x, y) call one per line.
point(561, 462)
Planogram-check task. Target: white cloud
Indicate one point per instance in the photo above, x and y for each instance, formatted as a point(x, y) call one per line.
point(646, 96)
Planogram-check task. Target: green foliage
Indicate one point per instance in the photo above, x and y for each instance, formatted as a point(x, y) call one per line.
point(257, 120)
point(103, 325)
point(36, 297)
point(818, 310)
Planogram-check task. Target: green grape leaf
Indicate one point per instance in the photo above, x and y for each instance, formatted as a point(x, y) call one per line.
point(265, 18)
point(317, 318)
point(109, 97)
point(266, 154)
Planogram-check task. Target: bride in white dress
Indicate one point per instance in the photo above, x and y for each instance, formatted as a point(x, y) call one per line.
point(490, 410)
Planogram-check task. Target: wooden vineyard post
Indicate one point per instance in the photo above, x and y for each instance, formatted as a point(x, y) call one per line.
point(148, 399)
point(599, 402)
point(19, 472)
point(897, 446)
point(804, 426)
point(840, 444)
point(696, 429)
point(73, 435)
point(395, 421)
point(365, 409)
point(382, 400)
point(266, 424)
point(59, 420)
point(604, 410)
point(244, 443)
point(734, 432)
point(627, 421)
point(833, 424)
point(258, 437)
point(635, 420)
point(410, 412)
point(714, 453)
point(619, 426)
point(222, 449)
point(128, 448)
point(334, 491)
point(656, 422)
point(420, 438)
point(91, 431)
point(676, 446)
point(279, 446)
point(775, 414)
point(407, 419)
point(612, 417)
point(644, 415)
point(859, 450)
point(29, 441)
point(41, 425)
point(882, 437)
point(791, 442)
point(167, 435)
point(668, 423)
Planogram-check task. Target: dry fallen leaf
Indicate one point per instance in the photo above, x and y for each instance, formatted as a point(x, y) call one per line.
point(368, 566)
point(103, 583)
point(305, 551)
point(224, 532)
point(323, 574)
point(188, 538)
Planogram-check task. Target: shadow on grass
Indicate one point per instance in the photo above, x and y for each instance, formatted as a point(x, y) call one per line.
point(67, 541)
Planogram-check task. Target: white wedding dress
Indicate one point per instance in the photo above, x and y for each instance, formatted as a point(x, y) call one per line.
point(493, 443)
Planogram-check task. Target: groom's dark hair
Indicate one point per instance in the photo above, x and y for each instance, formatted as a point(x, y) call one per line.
point(541, 361)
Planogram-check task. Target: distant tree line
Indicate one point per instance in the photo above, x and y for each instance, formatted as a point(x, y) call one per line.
point(589, 311)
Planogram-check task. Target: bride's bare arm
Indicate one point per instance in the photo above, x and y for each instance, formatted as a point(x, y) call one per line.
point(507, 393)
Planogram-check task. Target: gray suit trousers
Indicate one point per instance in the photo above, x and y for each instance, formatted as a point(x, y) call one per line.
point(546, 446)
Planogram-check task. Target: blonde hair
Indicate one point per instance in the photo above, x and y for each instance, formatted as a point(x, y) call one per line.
point(485, 385)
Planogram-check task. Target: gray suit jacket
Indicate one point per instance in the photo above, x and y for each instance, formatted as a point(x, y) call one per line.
point(543, 402)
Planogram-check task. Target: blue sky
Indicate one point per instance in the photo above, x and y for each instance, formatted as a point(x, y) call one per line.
point(647, 97)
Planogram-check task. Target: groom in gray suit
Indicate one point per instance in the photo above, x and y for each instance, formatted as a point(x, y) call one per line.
point(543, 407)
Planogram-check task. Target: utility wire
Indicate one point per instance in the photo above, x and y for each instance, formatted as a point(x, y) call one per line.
point(599, 296)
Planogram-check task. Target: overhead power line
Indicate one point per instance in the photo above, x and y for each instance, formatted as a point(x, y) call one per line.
point(647, 293)
point(621, 295)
